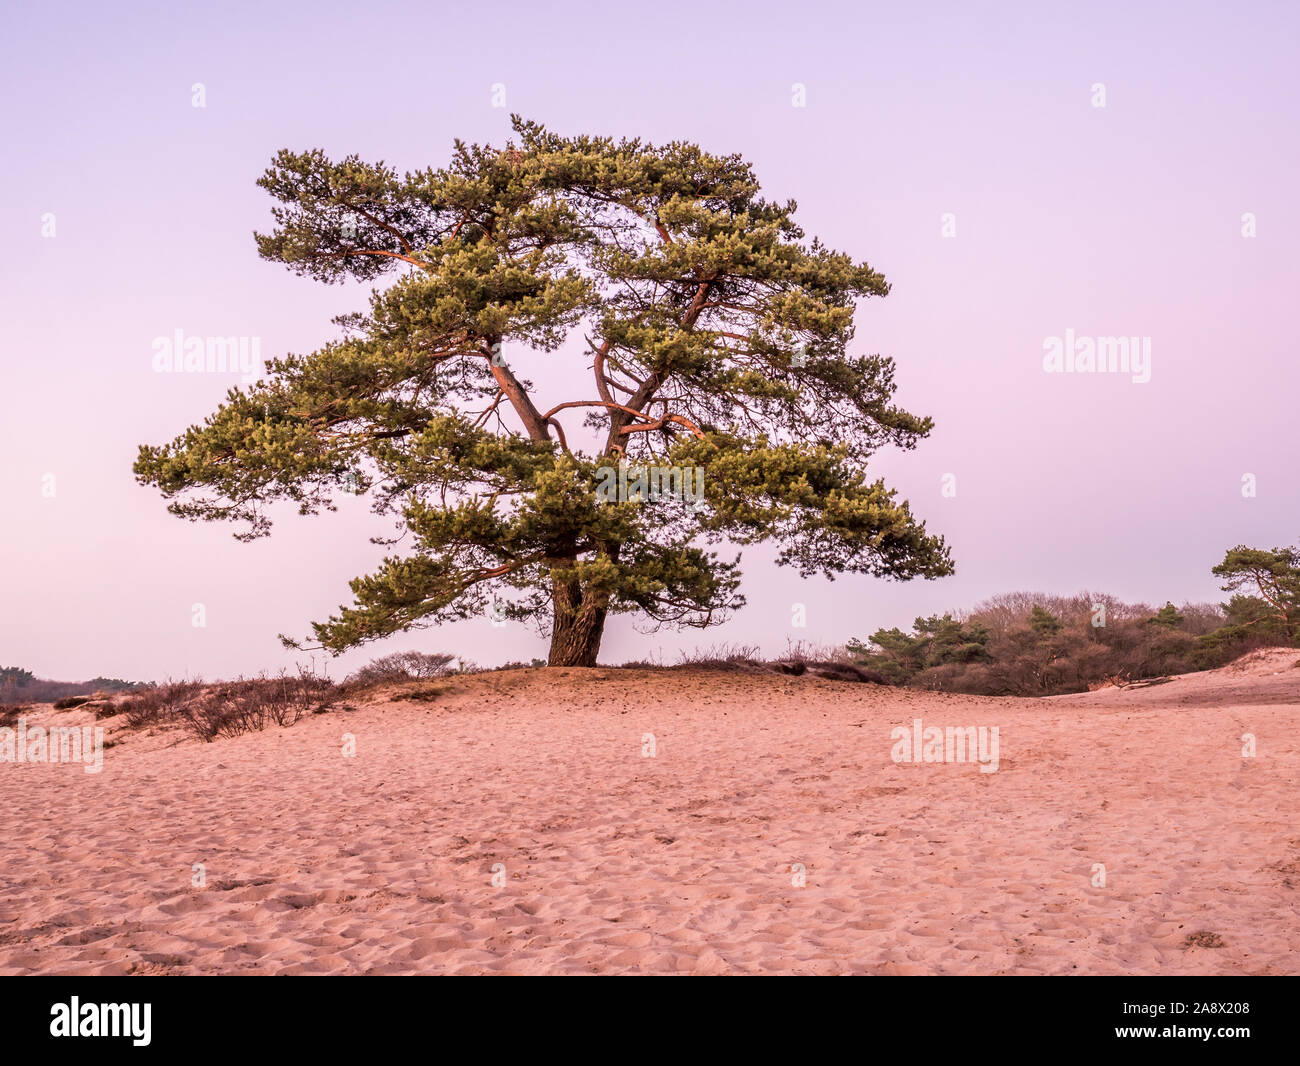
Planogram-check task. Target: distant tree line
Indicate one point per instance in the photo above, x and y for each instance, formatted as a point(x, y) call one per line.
point(22, 686)
point(1026, 644)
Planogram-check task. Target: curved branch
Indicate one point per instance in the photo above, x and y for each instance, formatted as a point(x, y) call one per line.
point(660, 423)
point(595, 403)
point(559, 431)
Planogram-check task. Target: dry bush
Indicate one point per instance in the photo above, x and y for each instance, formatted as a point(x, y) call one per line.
point(402, 666)
point(248, 705)
point(155, 704)
point(11, 712)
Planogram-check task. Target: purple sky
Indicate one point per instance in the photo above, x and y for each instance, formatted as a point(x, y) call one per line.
point(1124, 220)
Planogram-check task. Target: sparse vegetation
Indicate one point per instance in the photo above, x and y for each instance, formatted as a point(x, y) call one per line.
point(154, 704)
point(1203, 939)
point(249, 705)
point(11, 712)
point(230, 708)
point(721, 657)
point(423, 693)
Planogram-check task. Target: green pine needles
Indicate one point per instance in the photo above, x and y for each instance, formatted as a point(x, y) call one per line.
point(717, 342)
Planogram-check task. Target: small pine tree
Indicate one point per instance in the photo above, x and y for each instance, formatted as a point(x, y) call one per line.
point(1167, 616)
point(1044, 623)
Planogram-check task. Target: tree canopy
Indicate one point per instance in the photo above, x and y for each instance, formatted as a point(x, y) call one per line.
point(717, 338)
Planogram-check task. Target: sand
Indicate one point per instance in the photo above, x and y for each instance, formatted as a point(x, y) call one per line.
point(771, 832)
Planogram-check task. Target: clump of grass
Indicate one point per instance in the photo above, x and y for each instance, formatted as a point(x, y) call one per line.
point(805, 651)
point(720, 657)
point(657, 663)
point(69, 702)
point(517, 664)
point(1203, 939)
point(425, 693)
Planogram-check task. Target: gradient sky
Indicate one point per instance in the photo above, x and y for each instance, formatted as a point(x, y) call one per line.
point(1122, 220)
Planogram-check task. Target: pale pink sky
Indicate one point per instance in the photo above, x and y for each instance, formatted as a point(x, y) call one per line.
point(1122, 220)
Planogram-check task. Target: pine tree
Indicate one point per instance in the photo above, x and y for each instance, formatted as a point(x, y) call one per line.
point(717, 338)
point(1274, 574)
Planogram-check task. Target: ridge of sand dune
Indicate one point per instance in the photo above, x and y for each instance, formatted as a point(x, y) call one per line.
point(1265, 677)
point(687, 861)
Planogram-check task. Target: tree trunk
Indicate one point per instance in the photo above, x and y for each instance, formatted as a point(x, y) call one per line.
point(578, 624)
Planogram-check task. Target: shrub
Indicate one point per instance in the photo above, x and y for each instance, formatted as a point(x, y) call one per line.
point(248, 705)
point(402, 666)
point(937, 648)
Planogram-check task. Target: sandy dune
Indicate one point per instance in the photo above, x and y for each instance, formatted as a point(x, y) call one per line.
point(684, 862)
